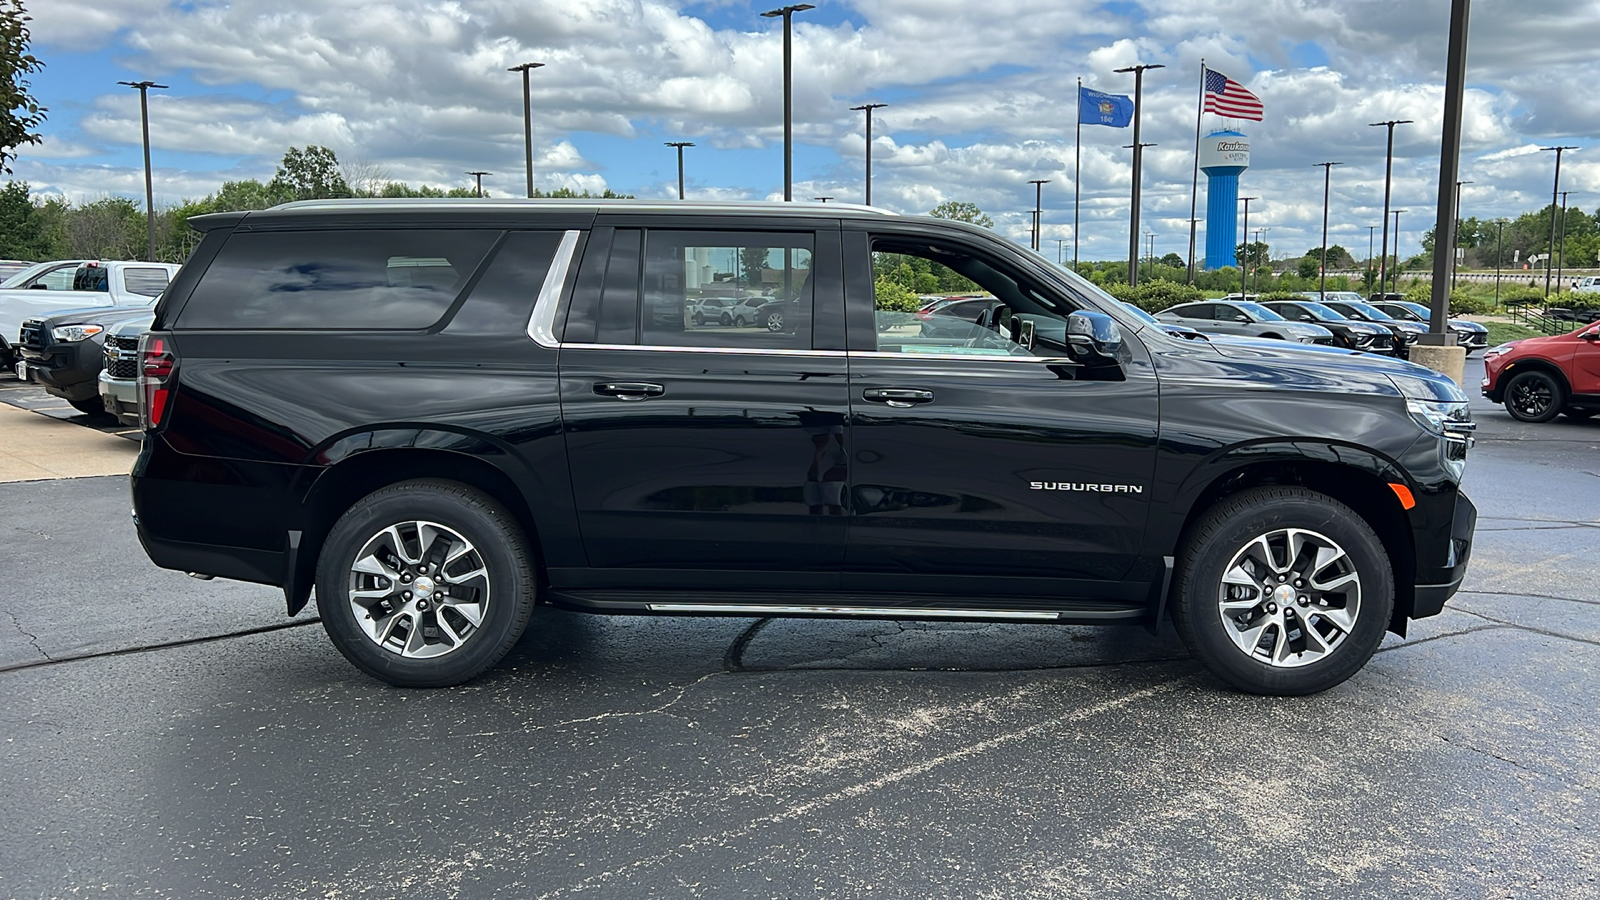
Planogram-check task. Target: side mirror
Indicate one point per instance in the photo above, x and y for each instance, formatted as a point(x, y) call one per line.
point(1591, 335)
point(1307, 317)
point(1094, 332)
point(38, 287)
point(1242, 318)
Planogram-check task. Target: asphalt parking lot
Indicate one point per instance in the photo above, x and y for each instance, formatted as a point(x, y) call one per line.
point(172, 738)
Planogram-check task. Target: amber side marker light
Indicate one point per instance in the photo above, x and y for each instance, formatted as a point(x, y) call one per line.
point(1404, 493)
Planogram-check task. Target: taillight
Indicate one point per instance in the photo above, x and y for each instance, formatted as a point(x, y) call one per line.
point(158, 363)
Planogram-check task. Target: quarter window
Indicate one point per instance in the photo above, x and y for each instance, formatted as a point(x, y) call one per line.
point(369, 279)
point(145, 282)
point(739, 290)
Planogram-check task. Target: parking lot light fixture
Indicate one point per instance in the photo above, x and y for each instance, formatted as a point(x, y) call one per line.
point(1327, 169)
point(1454, 250)
point(1388, 180)
point(143, 87)
point(1038, 194)
point(479, 177)
point(787, 13)
point(527, 116)
point(1138, 162)
point(1554, 190)
point(868, 108)
point(1244, 264)
point(822, 199)
point(1395, 276)
point(680, 145)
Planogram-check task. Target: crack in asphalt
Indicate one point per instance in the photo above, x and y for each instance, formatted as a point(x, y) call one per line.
point(1438, 637)
point(32, 638)
point(1535, 596)
point(148, 648)
point(1529, 628)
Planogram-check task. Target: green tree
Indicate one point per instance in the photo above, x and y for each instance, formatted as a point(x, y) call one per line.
point(108, 228)
point(752, 264)
point(20, 112)
point(1307, 266)
point(309, 174)
point(21, 236)
point(1172, 260)
point(1255, 253)
point(961, 211)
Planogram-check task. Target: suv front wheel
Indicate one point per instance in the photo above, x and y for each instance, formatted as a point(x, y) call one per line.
point(1282, 590)
point(425, 583)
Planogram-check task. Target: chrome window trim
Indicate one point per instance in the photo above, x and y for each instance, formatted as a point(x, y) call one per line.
point(879, 354)
point(542, 324)
point(763, 351)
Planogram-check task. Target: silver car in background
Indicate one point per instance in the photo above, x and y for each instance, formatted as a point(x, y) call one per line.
point(1243, 318)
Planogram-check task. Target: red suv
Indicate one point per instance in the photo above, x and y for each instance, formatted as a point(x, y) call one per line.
point(1536, 378)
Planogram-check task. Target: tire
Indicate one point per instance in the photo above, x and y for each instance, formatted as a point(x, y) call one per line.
point(89, 406)
point(775, 322)
point(429, 517)
point(1534, 396)
point(699, 319)
point(726, 319)
point(739, 322)
point(1221, 565)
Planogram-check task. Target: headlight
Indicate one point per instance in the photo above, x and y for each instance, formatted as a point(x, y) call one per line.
point(1440, 409)
point(1444, 418)
point(1501, 350)
point(73, 333)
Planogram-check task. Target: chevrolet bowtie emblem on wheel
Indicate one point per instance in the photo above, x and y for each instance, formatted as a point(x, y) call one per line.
point(1087, 488)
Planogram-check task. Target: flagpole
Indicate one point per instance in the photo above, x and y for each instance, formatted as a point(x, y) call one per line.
point(1077, 166)
point(1194, 187)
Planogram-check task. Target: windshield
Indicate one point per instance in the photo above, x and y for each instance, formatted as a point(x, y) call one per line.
point(1322, 312)
point(1259, 311)
point(1141, 314)
point(1417, 309)
point(1370, 311)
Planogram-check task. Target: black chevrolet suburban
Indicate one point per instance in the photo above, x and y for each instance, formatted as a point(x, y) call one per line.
point(439, 414)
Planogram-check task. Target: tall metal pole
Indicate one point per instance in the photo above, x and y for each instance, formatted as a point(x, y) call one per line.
point(1388, 178)
point(1255, 277)
point(680, 145)
point(1561, 256)
point(1194, 186)
point(1038, 195)
point(479, 176)
point(1499, 245)
point(1444, 219)
point(1553, 191)
point(1059, 242)
point(1244, 274)
point(1370, 230)
point(527, 117)
point(1457, 219)
point(1138, 161)
point(787, 13)
point(1327, 170)
point(1077, 167)
point(143, 87)
point(868, 108)
point(1395, 272)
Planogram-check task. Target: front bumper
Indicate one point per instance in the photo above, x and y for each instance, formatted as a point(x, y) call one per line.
point(65, 370)
point(121, 397)
point(1438, 583)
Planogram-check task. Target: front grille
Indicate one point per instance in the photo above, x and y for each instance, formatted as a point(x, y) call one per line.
point(122, 343)
point(122, 368)
point(31, 336)
point(1382, 342)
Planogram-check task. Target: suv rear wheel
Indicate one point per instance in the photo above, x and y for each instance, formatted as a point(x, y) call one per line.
point(1534, 397)
point(1282, 590)
point(425, 583)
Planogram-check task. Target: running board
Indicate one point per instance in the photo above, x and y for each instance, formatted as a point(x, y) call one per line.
point(871, 612)
point(845, 605)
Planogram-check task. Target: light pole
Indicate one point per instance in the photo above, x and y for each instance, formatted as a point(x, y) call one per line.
point(527, 116)
point(1255, 277)
point(1327, 171)
point(868, 108)
point(1038, 194)
point(1060, 254)
point(822, 199)
point(1454, 250)
point(1370, 230)
point(1553, 191)
point(1388, 178)
point(1138, 162)
point(479, 176)
point(1396, 273)
point(1150, 251)
point(143, 87)
point(680, 145)
point(1561, 257)
point(1244, 274)
point(1499, 245)
point(787, 13)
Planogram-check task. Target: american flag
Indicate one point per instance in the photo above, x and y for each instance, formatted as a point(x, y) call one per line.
point(1229, 99)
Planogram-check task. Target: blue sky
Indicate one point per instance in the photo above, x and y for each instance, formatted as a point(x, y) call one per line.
point(981, 100)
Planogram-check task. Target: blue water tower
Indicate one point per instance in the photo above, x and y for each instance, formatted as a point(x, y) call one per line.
point(1224, 155)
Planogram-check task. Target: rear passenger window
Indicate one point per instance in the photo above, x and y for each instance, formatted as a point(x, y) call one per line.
point(368, 279)
point(739, 290)
point(503, 298)
point(145, 282)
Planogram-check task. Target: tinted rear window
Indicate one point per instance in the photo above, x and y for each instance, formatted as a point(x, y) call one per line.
point(145, 282)
point(370, 280)
point(91, 278)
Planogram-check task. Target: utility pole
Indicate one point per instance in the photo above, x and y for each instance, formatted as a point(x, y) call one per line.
point(1554, 190)
point(1138, 162)
point(479, 176)
point(1388, 179)
point(527, 117)
point(143, 87)
point(1038, 194)
point(680, 145)
point(868, 108)
point(787, 13)
point(1327, 169)
point(1060, 254)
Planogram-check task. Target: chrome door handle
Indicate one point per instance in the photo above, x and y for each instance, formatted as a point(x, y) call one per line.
point(629, 390)
point(897, 397)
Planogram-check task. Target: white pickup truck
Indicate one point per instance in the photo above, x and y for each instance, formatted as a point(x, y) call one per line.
point(45, 290)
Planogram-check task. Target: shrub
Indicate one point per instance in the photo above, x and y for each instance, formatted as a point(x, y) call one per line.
point(1464, 304)
point(894, 296)
point(1275, 296)
point(1521, 296)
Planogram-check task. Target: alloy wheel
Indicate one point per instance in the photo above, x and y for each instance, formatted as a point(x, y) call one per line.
point(419, 589)
point(1532, 397)
point(1290, 597)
